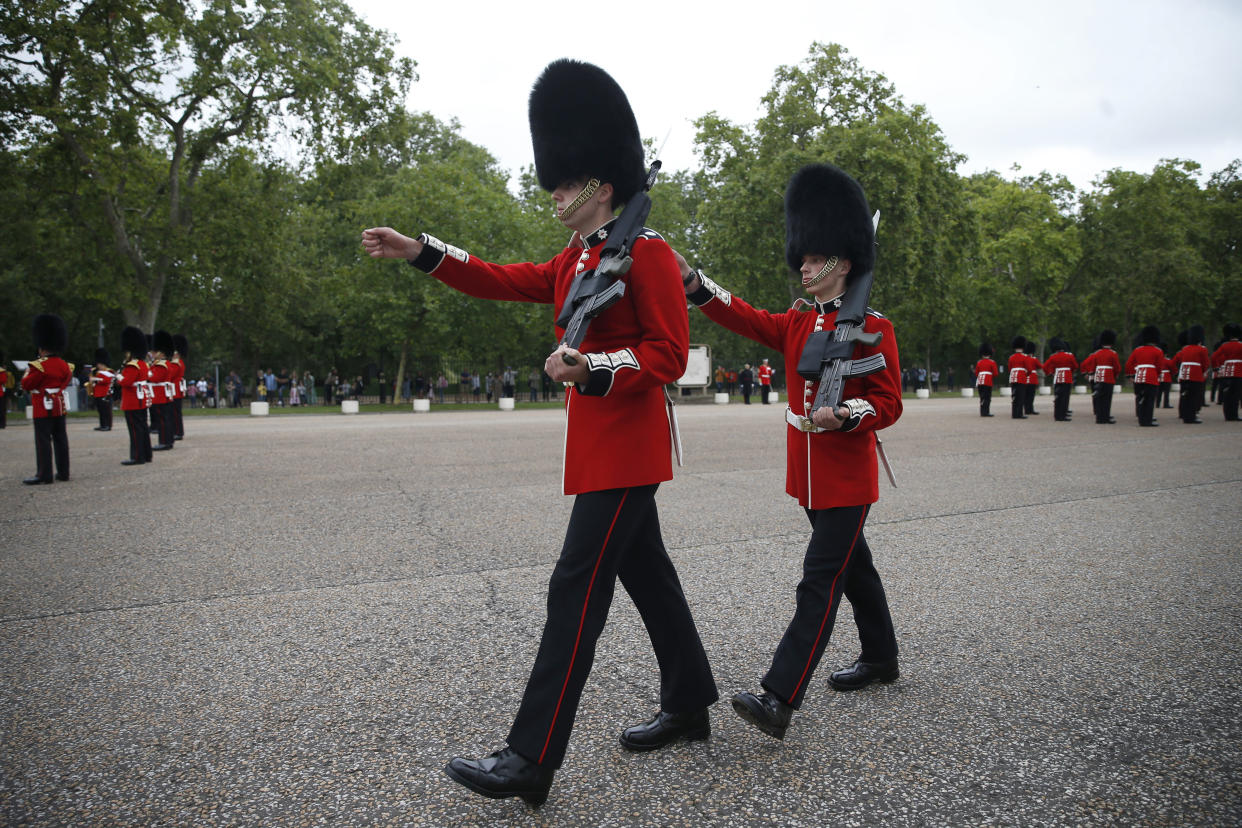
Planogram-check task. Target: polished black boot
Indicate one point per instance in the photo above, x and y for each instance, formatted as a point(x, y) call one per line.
point(666, 728)
point(862, 673)
point(502, 774)
point(764, 711)
point(36, 480)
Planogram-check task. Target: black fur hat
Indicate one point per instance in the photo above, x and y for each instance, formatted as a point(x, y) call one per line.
point(133, 342)
point(1150, 335)
point(1018, 343)
point(50, 333)
point(1108, 337)
point(1183, 337)
point(1233, 330)
point(162, 341)
point(180, 345)
point(1195, 335)
point(826, 214)
point(985, 350)
point(101, 357)
point(1057, 344)
point(582, 126)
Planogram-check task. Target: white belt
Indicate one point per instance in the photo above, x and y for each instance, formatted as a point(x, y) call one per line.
point(801, 423)
point(981, 376)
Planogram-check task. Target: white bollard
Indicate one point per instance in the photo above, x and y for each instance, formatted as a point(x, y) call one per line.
point(258, 409)
point(349, 406)
point(506, 404)
point(722, 399)
point(1006, 391)
point(1116, 389)
point(1044, 391)
point(30, 412)
point(774, 396)
point(922, 393)
point(1080, 389)
point(968, 392)
point(422, 404)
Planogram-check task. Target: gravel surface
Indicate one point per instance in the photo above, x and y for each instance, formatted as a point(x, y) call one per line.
point(293, 621)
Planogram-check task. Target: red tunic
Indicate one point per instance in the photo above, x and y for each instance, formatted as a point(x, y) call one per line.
point(1062, 366)
point(1104, 365)
point(1033, 367)
point(101, 383)
point(617, 432)
point(1017, 369)
point(135, 389)
point(176, 376)
point(1144, 365)
point(985, 371)
point(831, 468)
point(1166, 369)
point(160, 384)
point(4, 380)
point(765, 374)
point(1192, 362)
point(1227, 359)
point(46, 379)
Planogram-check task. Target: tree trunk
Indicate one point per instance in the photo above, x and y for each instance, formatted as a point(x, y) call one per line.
point(405, 353)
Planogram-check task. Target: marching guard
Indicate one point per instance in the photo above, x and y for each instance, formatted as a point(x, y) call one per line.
point(619, 431)
point(1018, 367)
point(1192, 362)
point(46, 379)
point(135, 395)
point(4, 401)
point(162, 388)
point(100, 388)
point(1033, 367)
point(985, 371)
point(1227, 363)
point(1103, 366)
point(1062, 366)
point(832, 469)
point(1143, 365)
point(176, 365)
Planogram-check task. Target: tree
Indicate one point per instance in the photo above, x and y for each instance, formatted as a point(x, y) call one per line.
point(137, 98)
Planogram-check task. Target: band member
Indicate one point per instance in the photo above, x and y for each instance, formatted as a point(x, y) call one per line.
point(1167, 369)
point(1033, 367)
point(618, 432)
point(1018, 367)
point(765, 381)
point(1103, 367)
point(831, 468)
point(46, 379)
point(4, 401)
point(1144, 366)
point(99, 386)
point(1192, 362)
point(1227, 363)
point(985, 371)
point(1061, 366)
point(135, 395)
point(176, 367)
point(162, 387)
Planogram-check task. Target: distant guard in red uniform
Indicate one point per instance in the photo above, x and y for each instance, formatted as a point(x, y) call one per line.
point(100, 388)
point(1227, 363)
point(1103, 366)
point(136, 395)
point(1018, 367)
point(619, 432)
point(1167, 369)
point(1061, 366)
point(985, 371)
point(765, 381)
point(181, 350)
point(1144, 366)
point(46, 379)
point(1033, 368)
point(4, 401)
point(1192, 362)
point(831, 457)
point(162, 387)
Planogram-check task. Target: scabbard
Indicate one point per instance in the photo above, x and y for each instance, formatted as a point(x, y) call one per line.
point(879, 449)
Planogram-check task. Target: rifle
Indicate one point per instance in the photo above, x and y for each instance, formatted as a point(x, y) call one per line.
point(594, 291)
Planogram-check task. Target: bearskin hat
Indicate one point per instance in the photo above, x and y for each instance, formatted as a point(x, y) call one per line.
point(1108, 337)
point(1057, 344)
point(582, 126)
point(826, 214)
point(1183, 337)
point(1018, 344)
point(162, 341)
point(1233, 330)
point(133, 341)
point(985, 349)
point(1150, 335)
point(181, 345)
point(1195, 335)
point(50, 333)
point(101, 357)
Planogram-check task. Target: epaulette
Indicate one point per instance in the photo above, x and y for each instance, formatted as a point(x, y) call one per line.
point(133, 362)
point(36, 364)
point(71, 366)
point(648, 233)
point(875, 313)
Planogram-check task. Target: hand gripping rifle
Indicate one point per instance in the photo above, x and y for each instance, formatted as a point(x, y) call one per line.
point(594, 291)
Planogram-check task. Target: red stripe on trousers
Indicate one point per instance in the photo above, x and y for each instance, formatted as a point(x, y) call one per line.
point(581, 622)
point(828, 611)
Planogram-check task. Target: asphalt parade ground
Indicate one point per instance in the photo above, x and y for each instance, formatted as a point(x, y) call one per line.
point(298, 620)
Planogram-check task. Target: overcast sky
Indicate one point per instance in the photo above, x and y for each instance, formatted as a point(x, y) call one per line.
point(1070, 87)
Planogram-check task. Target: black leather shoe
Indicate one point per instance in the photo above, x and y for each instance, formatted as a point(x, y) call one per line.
point(160, 447)
point(131, 462)
point(502, 774)
point(1195, 421)
point(862, 673)
point(764, 711)
point(99, 428)
point(36, 480)
point(666, 728)
point(63, 478)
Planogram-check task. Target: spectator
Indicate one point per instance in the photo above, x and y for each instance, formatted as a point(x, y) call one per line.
point(441, 386)
point(329, 386)
point(359, 387)
point(308, 381)
point(720, 380)
point(949, 378)
point(935, 381)
point(234, 386)
point(282, 385)
point(260, 386)
point(533, 382)
point(474, 385)
point(269, 382)
point(489, 384)
point(295, 390)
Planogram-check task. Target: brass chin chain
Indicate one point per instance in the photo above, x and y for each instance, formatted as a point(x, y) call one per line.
point(819, 277)
point(582, 198)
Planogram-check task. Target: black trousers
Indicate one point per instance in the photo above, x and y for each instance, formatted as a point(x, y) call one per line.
point(985, 400)
point(4, 410)
point(746, 389)
point(1190, 400)
point(51, 439)
point(1145, 402)
point(1029, 404)
point(104, 406)
point(162, 422)
point(1230, 391)
point(763, 392)
point(178, 425)
point(139, 435)
point(1017, 401)
point(612, 534)
point(837, 562)
point(1061, 400)
point(1162, 398)
point(1102, 401)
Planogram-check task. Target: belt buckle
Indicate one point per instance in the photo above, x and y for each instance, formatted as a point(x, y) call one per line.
point(805, 425)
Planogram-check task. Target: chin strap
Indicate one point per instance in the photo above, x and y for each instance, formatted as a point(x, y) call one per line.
point(819, 277)
point(582, 198)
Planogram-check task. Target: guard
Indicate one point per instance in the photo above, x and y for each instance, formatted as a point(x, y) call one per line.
point(46, 379)
point(985, 371)
point(1192, 362)
point(135, 396)
point(176, 367)
point(1144, 366)
point(1103, 367)
point(1061, 366)
point(1018, 367)
point(162, 386)
point(100, 388)
point(1227, 363)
